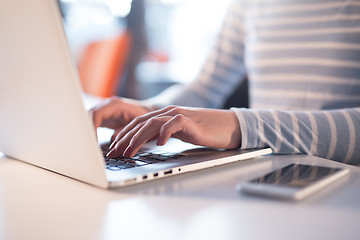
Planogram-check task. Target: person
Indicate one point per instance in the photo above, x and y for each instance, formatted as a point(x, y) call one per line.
point(302, 60)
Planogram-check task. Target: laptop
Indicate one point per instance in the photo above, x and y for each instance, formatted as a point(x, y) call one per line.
point(43, 119)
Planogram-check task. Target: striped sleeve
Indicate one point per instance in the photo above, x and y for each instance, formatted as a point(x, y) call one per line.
point(331, 134)
point(222, 72)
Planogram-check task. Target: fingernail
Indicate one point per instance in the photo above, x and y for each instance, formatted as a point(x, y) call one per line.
point(112, 145)
point(127, 152)
point(160, 142)
point(110, 154)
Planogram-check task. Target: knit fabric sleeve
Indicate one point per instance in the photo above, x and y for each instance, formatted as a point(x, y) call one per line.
point(331, 134)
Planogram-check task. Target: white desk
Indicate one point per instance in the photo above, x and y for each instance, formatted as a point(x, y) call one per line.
point(37, 204)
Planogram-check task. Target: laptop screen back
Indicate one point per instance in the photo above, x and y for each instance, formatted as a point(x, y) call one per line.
point(43, 120)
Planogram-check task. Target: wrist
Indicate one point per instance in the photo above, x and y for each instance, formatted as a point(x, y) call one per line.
point(236, 136)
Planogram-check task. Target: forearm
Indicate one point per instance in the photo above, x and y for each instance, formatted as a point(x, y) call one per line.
point(330, 134)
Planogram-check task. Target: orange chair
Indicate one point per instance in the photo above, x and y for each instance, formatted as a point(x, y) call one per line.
point(102, 65)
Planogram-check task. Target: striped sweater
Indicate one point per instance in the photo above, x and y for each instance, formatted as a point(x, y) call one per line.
point(302, 59)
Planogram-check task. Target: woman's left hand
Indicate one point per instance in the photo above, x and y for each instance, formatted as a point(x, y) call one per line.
point(206, 127)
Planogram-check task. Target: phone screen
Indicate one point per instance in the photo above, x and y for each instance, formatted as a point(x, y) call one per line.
point(296, 175)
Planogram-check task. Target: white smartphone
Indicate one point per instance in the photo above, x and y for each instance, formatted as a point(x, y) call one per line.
point(294, 181)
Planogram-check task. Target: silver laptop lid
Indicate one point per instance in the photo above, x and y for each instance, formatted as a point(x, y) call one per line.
point(43, 121)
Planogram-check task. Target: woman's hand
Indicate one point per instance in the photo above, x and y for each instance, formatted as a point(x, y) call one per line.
point(115, 113)
point(206, 127)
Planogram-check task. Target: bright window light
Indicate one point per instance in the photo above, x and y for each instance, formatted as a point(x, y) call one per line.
point(119, 8)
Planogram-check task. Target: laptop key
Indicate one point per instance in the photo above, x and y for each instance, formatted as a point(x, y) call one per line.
point(136, 162)
point(141, 159)
point(117, 168)
point(159, 157)
point(118, 164)
point(113, 168)
point(147, 160)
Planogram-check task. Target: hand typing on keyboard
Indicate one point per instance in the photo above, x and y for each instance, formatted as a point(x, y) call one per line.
point(142, 158)
point(135, 125)
point(206, 127)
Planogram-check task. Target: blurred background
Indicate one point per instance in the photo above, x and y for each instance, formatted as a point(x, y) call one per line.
point(137, 48)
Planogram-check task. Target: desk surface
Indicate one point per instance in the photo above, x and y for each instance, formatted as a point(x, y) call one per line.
point(38, 204)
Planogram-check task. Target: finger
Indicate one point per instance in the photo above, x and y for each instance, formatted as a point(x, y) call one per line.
point(117, 148)
point(179, 127)
point(96, 119)
point(147, 132)
point(99, 114)
point(142, 119)
point(120, 140)
point(112, 139)
point(101, 111)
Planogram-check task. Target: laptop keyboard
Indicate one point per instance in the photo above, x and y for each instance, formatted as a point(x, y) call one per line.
point(142, 158)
